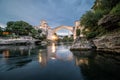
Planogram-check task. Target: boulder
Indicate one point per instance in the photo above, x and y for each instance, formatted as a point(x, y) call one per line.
point(81, 43)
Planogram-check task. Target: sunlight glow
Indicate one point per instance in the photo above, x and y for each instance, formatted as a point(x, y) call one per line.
point(54, 37)
point(6, 54)
point(40, 57)
point(53, 48)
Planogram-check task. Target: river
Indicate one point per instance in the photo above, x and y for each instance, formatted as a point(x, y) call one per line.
point(57, 62)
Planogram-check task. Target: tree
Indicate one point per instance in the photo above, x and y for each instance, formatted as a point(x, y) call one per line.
point(1, 31)
point(78, 32)
point(19, 27)
point(116, 10)
point(37, 34)
point(103, 11)
point(106, 5)
point(90, 19)
point(39, 31)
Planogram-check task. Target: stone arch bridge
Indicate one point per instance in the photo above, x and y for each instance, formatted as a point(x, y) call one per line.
point(50, 32)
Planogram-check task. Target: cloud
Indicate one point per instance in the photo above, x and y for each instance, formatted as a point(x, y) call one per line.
point(3, 25)
point(64, 32)
point(55, 12)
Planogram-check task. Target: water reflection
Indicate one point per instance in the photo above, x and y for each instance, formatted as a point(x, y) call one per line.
point(17, 56)
point(51, 51)
point(54, 52)
point(6, 54)
point(42, 58)
point(81, 61)
point(99, 65)
point(56, 62)
point(53, 48)
point(14, 51)
point(12, 57)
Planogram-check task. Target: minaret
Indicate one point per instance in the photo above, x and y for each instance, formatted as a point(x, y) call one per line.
point(68, 34)
point(43, 25)
point(77, 24)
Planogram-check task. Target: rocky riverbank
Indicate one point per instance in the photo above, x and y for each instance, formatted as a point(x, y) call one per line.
point(17, 41)
point(81, 43)
point(109, 42)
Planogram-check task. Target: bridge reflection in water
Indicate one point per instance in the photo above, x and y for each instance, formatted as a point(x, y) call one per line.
point(13, 56)
point(54, 52)
point(56, 62)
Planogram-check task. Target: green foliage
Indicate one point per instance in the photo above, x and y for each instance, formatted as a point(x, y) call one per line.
point(106, 5)
point(91, 35)
point(37, 34)
point(118, 23)
point(116, 10)
point(34, 33)
point(66, 39)
point(40, 37)
point(43, 37)
point(86, 19)
point(19, 27)
point(10, 23)
point(39, 31)
point(78, 32)
point(90, 19)
point(1, 31)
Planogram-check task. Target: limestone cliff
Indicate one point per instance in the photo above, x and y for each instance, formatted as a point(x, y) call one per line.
point(109, 42)
point(110, 22)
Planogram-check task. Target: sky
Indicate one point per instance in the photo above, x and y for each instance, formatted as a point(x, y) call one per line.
point(55, 12)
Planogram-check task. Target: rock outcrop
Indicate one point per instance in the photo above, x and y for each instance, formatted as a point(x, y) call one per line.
point(110, 42)
point(109, 21)
point(81, 43)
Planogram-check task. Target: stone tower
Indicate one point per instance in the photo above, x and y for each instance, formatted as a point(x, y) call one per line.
point(43, 25)
point(77, 25)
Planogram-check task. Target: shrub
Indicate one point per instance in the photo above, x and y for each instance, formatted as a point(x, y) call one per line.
point(91, 35)
point(116, 10)
point(77, 32)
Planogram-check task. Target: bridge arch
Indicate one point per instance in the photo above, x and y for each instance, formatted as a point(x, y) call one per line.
point(51, 32)
point(63, 27)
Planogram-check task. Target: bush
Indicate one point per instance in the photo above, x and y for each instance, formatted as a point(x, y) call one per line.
point(91, 35)
point(78, 32)
point(116, 10)
point(90, 19)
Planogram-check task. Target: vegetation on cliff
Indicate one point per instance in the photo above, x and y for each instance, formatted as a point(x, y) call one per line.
point(104, 17)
